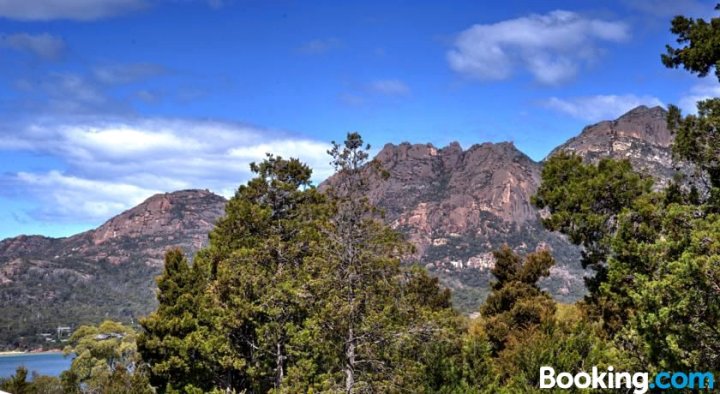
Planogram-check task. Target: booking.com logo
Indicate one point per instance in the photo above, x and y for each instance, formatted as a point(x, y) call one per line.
point(640, 381)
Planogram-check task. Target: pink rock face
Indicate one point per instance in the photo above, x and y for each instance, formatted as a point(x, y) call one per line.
point(455, 205)
point(180, 219)
point(640, 136)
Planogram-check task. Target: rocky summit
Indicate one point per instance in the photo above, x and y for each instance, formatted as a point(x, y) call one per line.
point(456, 206)
point(641, 136)
point(106, 272)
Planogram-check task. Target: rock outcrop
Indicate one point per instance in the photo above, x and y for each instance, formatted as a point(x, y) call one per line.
point(641, 136)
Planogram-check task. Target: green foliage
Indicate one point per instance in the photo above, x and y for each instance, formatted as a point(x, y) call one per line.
point(584, 201)
point(516, 304)
point(697, 140)
point(106, 361)
point(374, 326)
point(40, 384)
point(591, 204)
point(701, 45)
point(679, 306)
point(168, 342)
point(696, 136)
point(300, 291)
point(17, 383)
point(46, 385)
point(571, 346)
point(657, 301)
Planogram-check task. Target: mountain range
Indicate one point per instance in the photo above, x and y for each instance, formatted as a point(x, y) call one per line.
point(456, 206)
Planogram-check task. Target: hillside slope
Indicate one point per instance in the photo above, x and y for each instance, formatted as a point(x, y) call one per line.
point(106, 272)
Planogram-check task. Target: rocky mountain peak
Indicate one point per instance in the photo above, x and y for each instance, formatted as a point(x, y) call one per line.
point(641, 135)
point(106, 272)
point(455, 205)
point(142, 233)
point(165, 213)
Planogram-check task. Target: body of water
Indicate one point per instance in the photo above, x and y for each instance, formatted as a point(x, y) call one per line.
point(51, 364)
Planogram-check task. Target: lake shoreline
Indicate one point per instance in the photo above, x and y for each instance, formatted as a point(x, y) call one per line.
point(30, 352)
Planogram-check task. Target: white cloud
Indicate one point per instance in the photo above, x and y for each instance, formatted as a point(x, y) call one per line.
point(708, 88)
point(112, 166)
point(601, 107)
point(84, 10)
point(73, 197)
point(390, 87)
point(43, 45)
point(551, 47)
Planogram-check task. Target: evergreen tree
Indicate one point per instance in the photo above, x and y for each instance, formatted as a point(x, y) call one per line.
point(587, 202)
point(516, 303)
point(259, 291)
point(697, 138)
point(375, 327)
point(169, 343)
point(701, 45)
point(301, 291)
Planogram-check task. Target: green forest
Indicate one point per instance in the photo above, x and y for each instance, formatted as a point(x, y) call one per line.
point(307, 292)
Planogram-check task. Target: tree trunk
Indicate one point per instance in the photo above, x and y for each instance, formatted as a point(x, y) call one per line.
point(350, 361)
point(279, 370)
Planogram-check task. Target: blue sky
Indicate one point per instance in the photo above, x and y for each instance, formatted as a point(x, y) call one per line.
point(106, 102)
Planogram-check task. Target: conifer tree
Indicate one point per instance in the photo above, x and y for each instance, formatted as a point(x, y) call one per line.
point(372, 319)
point(259, 294)
point(169, 342)
point(516, 303)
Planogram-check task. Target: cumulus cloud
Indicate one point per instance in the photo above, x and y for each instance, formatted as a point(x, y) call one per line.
point(551, 47)
point(113, 165)
point(319, 46)
point(390, 87)
point(83, 10)
point(44, 45)
point(708, 88)
point(601, 107)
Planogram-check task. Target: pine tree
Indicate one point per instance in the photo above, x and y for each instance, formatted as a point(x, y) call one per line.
point(301, 291)
point(516, 304)
point(586, 202)
point(372, 320)
point(17, 383)
point(169, 342)
point(259, 293)
point(701, 45)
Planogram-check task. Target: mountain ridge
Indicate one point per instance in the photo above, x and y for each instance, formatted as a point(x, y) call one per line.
point(456, 206)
